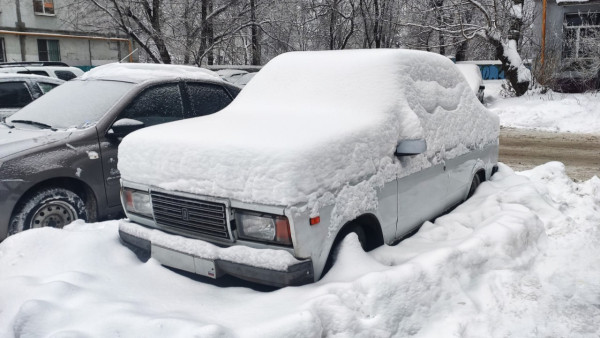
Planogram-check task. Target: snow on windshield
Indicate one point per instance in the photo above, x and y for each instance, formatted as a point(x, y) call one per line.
point(74, 104)
point(310, 122)
point(137, 72)
point(518, 259)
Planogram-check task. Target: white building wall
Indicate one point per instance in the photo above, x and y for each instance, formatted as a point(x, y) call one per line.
point(73, 51)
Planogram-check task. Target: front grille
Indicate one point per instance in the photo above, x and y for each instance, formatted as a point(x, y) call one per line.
point(190, 216)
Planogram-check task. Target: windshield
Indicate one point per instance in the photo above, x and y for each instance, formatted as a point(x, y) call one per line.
point(74, 104)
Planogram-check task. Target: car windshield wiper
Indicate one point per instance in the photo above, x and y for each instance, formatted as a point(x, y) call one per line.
point(3, 121)
point(35, 123)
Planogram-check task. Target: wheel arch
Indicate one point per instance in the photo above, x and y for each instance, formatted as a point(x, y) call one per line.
point(77, 186)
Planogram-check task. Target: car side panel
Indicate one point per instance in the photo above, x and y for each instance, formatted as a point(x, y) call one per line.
point(421, 196)
point(71, 159)
point(315, 242)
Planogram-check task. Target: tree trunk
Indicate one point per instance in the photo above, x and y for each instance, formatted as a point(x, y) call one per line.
point(254, 30)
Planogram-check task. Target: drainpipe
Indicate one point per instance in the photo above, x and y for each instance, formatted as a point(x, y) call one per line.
point(544, 3)
point(20, 27)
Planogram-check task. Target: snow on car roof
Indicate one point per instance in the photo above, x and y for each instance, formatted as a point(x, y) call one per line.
point(139, 72)
point(29, 76)
point(312, 122)
point(472, 74)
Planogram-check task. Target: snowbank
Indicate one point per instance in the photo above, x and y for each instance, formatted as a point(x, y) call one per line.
point(309, 123)
point(575, 113)
point(521, 258)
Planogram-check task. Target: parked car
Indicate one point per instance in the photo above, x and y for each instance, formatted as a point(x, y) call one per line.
point(58, 70)
point(472, 74)
point(317, 146)
point(18, 90)
point(239, 75)
point(58, 155)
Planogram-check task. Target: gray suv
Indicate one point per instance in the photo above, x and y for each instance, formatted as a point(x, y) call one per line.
point(58, 155)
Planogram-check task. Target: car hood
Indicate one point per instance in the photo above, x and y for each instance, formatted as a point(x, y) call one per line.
point(13, 140)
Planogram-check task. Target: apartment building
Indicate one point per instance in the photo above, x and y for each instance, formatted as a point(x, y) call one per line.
point(40, 30)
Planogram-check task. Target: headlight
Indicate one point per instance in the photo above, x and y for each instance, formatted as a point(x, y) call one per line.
point(137, 202)
point(263, 227)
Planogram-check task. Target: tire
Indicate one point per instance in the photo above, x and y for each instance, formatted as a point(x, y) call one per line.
point(55, 207)
point(474, 184)
point(335, 248)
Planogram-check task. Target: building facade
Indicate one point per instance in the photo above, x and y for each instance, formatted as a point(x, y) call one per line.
point(570, 35)
point(39, 30)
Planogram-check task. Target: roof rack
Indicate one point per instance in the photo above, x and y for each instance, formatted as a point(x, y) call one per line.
point(33, 63)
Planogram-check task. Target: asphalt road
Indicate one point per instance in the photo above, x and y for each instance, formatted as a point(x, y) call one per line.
point(524, 149)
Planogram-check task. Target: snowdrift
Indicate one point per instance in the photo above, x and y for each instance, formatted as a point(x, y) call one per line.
point(520, 258)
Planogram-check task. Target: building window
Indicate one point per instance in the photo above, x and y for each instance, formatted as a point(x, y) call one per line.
point(581, 36)
point(2, 51)
point(43, 6)
point(48, 50)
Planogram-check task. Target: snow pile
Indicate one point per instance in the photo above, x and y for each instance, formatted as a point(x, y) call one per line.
point(138, 72)
point(576, 113)
point(310, 122)
point(521, 258)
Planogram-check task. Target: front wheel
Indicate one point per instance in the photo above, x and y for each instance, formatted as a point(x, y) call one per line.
point(50, 207)
point(353, 228)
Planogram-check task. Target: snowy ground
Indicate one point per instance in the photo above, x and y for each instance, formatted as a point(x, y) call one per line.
point(557, 112)
point(521, 258)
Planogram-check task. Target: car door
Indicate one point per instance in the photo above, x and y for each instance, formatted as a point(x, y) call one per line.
point(421, 197)
point(154, 105)
point(205, 98)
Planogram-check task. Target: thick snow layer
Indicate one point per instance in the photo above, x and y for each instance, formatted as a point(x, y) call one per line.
point(521, 258)
point(472, 74)
point(138, 72)
point(311, 122)
point(576, 113)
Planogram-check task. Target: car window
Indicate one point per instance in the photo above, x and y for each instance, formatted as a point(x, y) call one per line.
point(34, 72)
point(81, 104)
point(207, 98)
point(156, 105)
point(64, 75)
point(46, 87)
point(14, 95)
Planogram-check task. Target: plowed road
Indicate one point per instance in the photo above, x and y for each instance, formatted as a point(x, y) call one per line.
point(524, 149)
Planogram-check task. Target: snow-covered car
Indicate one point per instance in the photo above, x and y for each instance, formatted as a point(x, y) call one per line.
point(472, 74)
point(18, 90)
point(317, 146)
point(58, 155)
point(57, 70)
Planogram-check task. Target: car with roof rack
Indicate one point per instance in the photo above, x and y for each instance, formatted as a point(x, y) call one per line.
point(58, 70)
point(58, 155)
point(18, 90)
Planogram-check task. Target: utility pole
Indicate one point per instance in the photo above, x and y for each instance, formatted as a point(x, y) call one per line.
point(20, 25)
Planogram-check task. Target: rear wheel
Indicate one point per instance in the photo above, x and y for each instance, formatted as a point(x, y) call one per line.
point(49, 207)
point(474, 184)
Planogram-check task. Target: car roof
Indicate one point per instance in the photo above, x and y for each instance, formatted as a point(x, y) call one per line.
point(38, 78)
point(142, 72)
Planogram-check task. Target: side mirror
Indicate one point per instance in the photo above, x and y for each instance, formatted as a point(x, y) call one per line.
point(411, 147)
point(123, 127)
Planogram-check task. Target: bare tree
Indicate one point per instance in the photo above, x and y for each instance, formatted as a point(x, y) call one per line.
point(499, 22)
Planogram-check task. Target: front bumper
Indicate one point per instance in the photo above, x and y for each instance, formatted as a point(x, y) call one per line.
point(265, 266)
